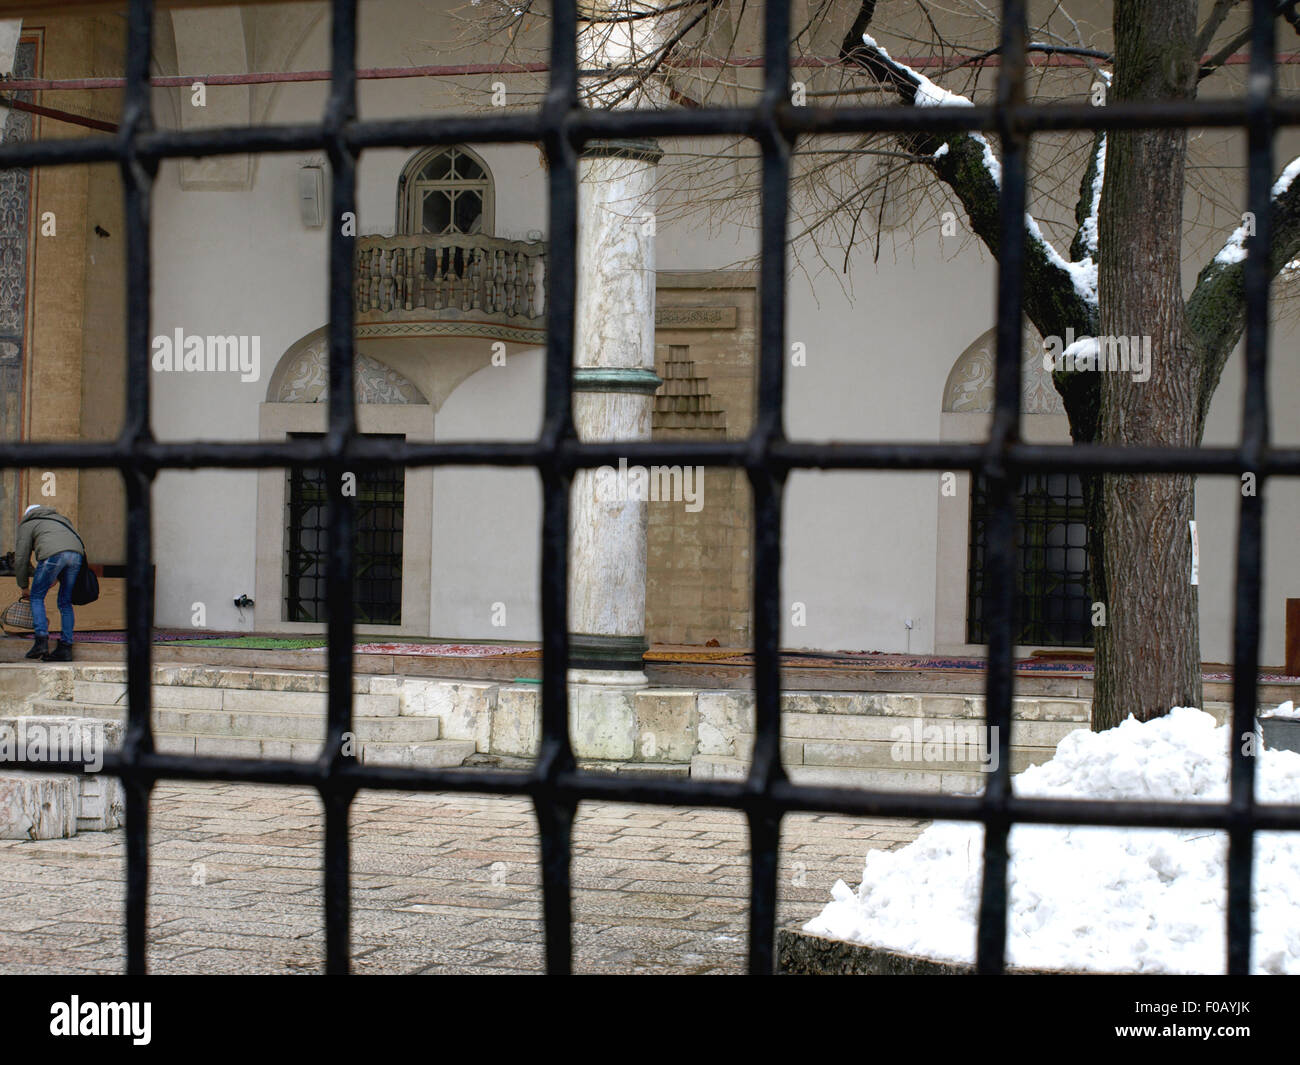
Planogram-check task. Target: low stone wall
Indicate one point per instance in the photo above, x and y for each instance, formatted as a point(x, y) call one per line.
point(801, 953)
point(918, 741)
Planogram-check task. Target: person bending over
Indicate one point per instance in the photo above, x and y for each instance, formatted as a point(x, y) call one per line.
point(59, 557)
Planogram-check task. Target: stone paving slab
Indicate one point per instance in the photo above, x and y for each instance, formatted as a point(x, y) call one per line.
point(442, 883)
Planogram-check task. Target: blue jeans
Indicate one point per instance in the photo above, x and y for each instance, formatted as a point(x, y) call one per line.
point(64, 568)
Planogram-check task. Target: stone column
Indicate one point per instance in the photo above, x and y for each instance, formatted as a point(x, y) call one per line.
point(614, 381)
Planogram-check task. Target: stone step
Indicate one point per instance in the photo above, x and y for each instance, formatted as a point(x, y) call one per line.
point(436, 754)
point(243, 724)
point(928, 705)
point(821, 727)
point(960, 754)
point(206, 676)
point(260, 700)
point(946, 781)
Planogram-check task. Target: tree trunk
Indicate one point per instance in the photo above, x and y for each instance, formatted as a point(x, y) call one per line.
point(1148, 651)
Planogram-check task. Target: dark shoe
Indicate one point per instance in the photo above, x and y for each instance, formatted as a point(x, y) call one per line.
point(40, 648)
point(62, 653)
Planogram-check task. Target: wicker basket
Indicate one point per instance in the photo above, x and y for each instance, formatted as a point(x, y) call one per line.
point(17, 617)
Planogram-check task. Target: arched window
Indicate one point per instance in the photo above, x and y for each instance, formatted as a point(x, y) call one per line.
point(444, 191)
point(1053, 579)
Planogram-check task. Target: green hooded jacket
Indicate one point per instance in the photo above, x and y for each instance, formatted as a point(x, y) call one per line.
point(38, 530)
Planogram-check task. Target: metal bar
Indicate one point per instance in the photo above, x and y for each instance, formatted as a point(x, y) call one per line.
point(53, 112)
point(1254, 439)
point(767, 485)
point(137, 180)
point(570, 455)
point(340, 514)
point(554, 815)
point(523, 127)
point(1001, 551)
point(787, 797)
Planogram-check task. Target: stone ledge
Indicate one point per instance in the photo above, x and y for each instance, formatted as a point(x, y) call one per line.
point(801, 953)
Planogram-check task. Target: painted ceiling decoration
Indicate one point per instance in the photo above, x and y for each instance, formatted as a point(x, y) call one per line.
point(305, 379)
point(969, 389)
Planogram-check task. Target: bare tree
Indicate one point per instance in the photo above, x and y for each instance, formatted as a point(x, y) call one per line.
point(1118, 200)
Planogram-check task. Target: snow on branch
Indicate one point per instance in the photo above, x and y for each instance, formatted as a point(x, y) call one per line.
point(1234, 251)
point(918, 90)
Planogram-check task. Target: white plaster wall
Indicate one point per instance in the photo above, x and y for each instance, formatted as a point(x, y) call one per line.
point(241, 262)
point(1218, 500)
point(487, 521)
point(860, 549)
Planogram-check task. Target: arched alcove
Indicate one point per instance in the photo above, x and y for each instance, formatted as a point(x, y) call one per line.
point(302, 376)
point(967, 405)
point(969, 388)
point(394, 506)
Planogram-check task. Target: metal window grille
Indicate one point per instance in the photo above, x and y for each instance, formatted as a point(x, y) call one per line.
point(555, 785)
point(1053, 602)
point(378, 547)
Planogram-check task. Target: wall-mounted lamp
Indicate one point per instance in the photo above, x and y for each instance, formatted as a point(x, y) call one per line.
point(311, 196)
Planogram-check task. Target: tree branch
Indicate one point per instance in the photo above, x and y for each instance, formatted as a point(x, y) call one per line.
point(1286, 9)
point(1222, 9)
point(1216, 309)
point(966, 164)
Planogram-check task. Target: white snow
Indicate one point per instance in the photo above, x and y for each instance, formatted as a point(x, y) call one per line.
point(1088, 898)
point(1234, 251)
point(1083, 274)
point(1288, 175)
point(1286, 710)
point(1089, 226)
point(1085, 349)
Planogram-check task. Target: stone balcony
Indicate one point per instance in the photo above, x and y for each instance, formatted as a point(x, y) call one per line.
point(462, 285)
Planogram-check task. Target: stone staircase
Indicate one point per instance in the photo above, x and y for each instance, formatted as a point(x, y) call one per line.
point(252, 713)
point(916, 742)
point(924, 741)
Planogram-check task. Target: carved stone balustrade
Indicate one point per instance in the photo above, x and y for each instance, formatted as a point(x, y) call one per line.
point(464, 285)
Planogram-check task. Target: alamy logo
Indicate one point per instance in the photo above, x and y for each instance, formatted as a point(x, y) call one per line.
point(238, 354)
point(52, 741)
point(1088, 354)
point(918, 742)
point(103, 1018)
point(658, 484)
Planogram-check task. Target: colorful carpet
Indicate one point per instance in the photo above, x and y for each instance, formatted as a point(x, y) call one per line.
point(448, 650)
point(1066, 665)
point(163, 636)
point(256, 643)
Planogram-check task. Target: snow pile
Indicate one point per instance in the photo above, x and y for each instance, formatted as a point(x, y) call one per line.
point(1287, 710)
point(1109, 899)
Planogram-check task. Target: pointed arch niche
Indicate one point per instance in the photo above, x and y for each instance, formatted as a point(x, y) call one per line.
point(966, 415)
point(388, 403)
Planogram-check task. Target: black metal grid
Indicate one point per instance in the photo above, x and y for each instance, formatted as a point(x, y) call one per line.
point(1053, 604)
point(377, 586)
point(555, 785)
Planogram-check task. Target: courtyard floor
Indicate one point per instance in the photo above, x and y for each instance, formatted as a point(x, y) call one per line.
point(442, 883)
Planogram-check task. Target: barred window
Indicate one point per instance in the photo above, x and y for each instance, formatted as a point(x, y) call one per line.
point(1053, 600)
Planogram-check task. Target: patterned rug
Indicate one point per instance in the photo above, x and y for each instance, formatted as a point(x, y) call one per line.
point(1066, 664)
point(448, 650)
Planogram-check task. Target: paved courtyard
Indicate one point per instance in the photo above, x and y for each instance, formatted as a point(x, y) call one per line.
point(441, 884)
